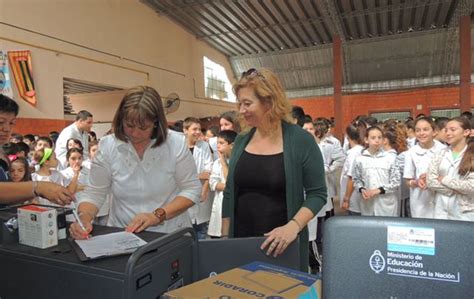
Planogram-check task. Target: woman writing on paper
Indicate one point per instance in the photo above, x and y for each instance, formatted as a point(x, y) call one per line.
point(148, 169)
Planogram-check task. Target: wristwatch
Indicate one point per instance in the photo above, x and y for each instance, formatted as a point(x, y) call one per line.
point(160, 213)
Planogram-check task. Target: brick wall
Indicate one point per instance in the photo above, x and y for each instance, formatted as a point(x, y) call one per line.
point(39, 126)
point(353, 105)
point(400, 100)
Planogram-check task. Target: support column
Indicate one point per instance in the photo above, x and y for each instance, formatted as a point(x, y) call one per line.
point(337, 84)
point(465, 63)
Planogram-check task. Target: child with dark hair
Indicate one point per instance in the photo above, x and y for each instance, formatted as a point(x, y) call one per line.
point(47, 162)
point(377, 177)
point(350, 200)
point(19, 170)
point(15, 138)
point(10, 150)
point(74, 143)
point(441, 129)
point(298, 115)
point(411, 138)
point(217, 179)
point(23, 149)
point(416, 163)
point(29, 139)
point(211, 138)
point(43, 142)
point(334, 160)
point(53, 135)
point(200, 213)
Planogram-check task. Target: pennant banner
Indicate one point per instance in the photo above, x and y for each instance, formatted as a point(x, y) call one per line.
point(20, 64)
point(5, 83)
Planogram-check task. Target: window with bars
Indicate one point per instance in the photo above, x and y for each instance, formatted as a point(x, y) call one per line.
point(217, 85)
point(398, 115)
point(449, 113)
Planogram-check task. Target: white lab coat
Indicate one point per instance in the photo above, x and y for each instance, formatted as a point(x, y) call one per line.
point(201, 211)
point(417, 161)
point(375, 171)
point(141, 186)
point(347, 169)
point(213, 144)
point(334, 158)
point(217, 176)
point(313, 223)
point(454, 195)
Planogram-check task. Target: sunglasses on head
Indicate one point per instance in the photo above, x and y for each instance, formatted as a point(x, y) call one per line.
point(251, 73)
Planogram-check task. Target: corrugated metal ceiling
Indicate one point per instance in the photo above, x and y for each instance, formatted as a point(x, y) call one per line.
point(382, 39)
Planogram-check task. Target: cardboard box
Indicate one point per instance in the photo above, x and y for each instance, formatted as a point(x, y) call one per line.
point(37, 226)
point(255, 280)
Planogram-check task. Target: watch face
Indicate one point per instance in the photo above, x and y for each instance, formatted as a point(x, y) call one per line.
point(160, 214)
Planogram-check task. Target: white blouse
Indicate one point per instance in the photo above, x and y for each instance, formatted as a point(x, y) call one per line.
point(141, 186)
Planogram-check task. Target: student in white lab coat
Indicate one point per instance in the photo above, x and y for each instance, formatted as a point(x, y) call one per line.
point(211, 138)
point(417, 161)
point(201, 212)
point(350, 198)
point(334, 160)
point(315, 225)
point(148, 169)
point(451, 174)
point(220, 168)
point(377, 177)
point(46, 159)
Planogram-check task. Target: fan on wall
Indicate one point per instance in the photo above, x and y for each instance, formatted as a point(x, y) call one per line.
point(171, 103)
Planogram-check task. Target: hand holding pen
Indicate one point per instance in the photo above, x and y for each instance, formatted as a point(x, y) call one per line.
point(80, 229)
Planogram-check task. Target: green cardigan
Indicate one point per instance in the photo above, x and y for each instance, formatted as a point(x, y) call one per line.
point(304, 173)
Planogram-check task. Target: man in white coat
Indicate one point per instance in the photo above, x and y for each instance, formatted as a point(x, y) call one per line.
point(200, 213)
point(78, 130)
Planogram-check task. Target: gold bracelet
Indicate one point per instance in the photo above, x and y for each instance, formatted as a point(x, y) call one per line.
point(297, 223)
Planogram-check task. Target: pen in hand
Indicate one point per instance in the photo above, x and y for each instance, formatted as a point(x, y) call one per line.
point(74, 211)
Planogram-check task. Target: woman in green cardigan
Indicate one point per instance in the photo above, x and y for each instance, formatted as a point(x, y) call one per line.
point(275, 183)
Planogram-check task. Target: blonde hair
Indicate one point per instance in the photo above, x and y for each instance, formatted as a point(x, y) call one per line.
point(140, 104)
point(269, 90)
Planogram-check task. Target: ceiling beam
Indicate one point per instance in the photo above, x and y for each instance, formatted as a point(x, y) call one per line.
point(337, 23)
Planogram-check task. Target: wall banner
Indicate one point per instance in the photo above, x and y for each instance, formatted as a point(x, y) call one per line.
point(20, 64)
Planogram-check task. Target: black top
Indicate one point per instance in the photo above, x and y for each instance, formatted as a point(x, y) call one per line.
point(261, 198)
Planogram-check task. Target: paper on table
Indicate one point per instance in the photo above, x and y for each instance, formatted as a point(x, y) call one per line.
point(110, 244)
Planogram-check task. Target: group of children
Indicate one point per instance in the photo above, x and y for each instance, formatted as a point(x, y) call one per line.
point(211, 151)
point(438, 174)
point(37, 162)
point(382, 165)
